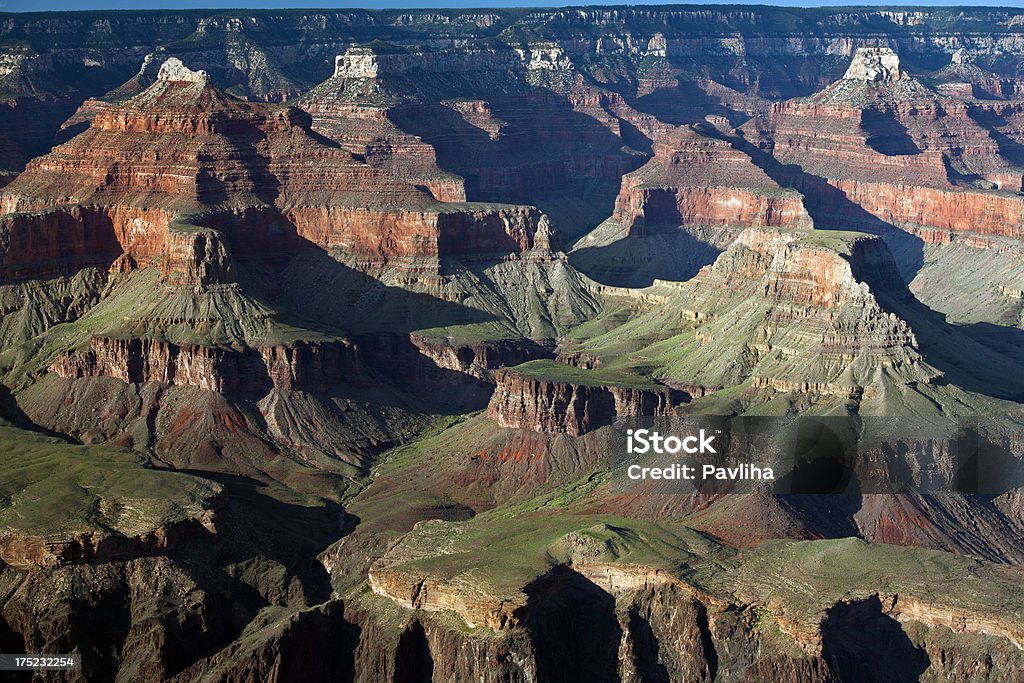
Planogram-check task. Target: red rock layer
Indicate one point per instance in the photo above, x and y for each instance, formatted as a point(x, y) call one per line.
point(419, 238)
point(900, 152)
point(936, 209)
point(809, 324)
point(367, 132)
point(698, 179)
point(182, 152)
point(550, 406)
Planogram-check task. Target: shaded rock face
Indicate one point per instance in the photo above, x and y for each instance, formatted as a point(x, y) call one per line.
point(97, 548)
point(804, 292)
point(197, 259)
point(880, 148)
point(302, 366)
point(623, 625)
point(306, 366)
point(60, 242)
point(184, 179)
point(857, 636)
point(542, 405)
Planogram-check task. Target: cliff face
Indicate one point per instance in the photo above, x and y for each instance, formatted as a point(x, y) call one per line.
point(542, 405)
point(280, 295)
point(304, 366)
point(20, 550)
point(895, 150)
point(182, 152)
point(697, 178)
point(661, 622)
point(783, 310)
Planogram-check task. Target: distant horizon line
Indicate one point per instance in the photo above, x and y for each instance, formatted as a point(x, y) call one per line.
point(74, 6)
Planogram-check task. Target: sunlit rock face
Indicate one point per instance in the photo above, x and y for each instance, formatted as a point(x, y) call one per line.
point(875, 64)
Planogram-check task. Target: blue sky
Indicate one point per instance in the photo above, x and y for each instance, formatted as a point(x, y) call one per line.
point(41, 5)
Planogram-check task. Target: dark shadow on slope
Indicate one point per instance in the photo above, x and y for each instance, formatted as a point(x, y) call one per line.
point(862, 644)
point(706, 639)
point(670, 253)
point(319, 645)
point(885, 134)
point(981, 357)
point(985, 468)
point(12, 642)
point(68, 132)
point(251, 524)
point(98, 625)
point(645, 649)
point(244, 139)
point(12, 412)
point(908, 252)
point(828, 206)
point(577, 207)
point(573, 628)
point(261, 546)
point(973, 357)
point(314, 291)
point(823, 490)
point(543, 145)
point(993, 122)
point(686, 103)
point(413, 661)
point(825, 515)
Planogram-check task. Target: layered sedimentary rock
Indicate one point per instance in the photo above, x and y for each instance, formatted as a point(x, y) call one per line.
point(22, 550)
point(816, 636)
point(303, 366)
point(181, 148)
point(790, 311)
point(895, 150)
point(197, 225)
point(550, 405)
point(675, 213)
point(505, 123)
point(698, 178)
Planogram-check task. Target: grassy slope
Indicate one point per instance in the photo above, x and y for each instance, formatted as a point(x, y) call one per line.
point(52, 488)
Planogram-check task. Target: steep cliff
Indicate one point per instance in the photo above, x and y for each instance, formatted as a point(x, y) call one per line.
point(526, 399)
point(230, 155)
point(895, 150)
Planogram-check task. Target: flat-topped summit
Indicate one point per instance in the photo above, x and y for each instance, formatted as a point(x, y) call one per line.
point(175, 70)
point(875, 64)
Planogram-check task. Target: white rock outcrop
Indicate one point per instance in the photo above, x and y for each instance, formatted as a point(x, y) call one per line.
point(174, 70)
point(875, 64)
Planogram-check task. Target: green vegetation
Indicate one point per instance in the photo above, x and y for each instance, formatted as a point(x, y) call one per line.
point(561, 372)
point(835, 240)
point(54, 489)
point(500, 554)
point(806, 577)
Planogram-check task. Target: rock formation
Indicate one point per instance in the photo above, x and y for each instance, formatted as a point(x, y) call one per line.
point(309, 391)
point(237, 156)
point(553, 406)
point(875, 64)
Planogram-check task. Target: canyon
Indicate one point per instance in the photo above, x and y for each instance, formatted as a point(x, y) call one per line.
point(319, 330)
